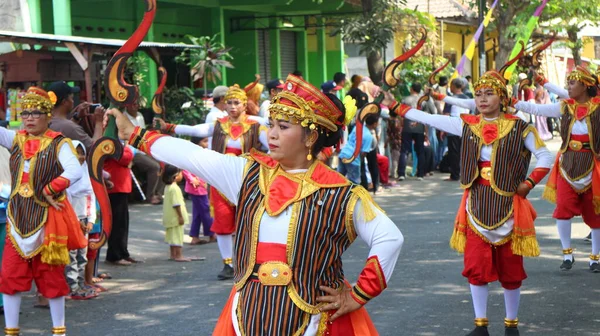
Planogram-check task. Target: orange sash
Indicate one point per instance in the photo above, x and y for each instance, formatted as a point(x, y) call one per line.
point(62, 233)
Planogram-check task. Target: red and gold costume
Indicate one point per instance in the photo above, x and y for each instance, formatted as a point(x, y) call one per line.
point(574, 183)
point(38, 236)
point(292, 228)
point(494, 227)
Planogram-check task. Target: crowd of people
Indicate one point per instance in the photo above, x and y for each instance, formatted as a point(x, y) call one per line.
point(253, 167)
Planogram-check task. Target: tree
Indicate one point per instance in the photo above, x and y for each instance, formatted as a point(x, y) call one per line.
point(207, 59)
point(571, 17)
point(376, 27)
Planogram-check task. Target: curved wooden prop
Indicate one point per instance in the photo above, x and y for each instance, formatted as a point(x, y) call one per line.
point(389, 77)
point(158, 101)
point(253, 84)
point(536, 58)
point(389, 82)
point(432, 80)
point(120, 93)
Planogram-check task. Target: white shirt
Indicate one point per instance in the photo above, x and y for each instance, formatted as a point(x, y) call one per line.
point(138, 120)
point(213, 115)
point(264, 109)
point(71, 171)
point(455, 126)
point(226, 173)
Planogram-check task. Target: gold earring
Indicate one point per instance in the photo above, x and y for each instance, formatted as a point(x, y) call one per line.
point(309, 157)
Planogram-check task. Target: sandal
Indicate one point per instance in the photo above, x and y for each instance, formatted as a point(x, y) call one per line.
point(104, 276)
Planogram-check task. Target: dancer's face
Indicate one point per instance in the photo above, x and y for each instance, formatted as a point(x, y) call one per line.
point(576, 89)
point(36, 122)
point(235, 108)
point(289, 143)
point(487, 101)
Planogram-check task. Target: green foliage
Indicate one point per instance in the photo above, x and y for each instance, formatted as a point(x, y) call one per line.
point(135, 73)
point(183, 107)
point(208, 59)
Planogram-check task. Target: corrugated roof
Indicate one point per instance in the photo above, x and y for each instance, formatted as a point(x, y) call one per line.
point(7, 35)
point(442, 9)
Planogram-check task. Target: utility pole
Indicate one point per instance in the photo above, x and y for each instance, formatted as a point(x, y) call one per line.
point(481, 44)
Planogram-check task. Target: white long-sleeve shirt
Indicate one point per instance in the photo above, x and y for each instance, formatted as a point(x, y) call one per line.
point(71, 171)
point(226, 173)
point(562, 93)
point(207, 129)
point(455, 126)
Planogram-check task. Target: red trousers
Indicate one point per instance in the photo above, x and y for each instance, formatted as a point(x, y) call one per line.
point(384, 168)
point(224, 214)
point(570, 204)
point(17, 273)
point(485, 263)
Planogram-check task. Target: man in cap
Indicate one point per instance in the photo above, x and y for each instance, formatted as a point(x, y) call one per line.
point(63, 93)
point(274, 87)
point(218, 109)
point(330, 87)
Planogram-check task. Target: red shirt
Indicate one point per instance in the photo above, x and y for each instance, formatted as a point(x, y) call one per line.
point(119, 172)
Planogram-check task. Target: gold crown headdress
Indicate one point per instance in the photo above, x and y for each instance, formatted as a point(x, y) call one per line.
point(37, 99)
point(235, 92)
point(583, 75)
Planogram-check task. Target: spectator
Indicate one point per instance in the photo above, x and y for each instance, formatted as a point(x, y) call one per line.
point(143, 162)
point(413, 135)
point(196, 188)
point(175, 215)
point(355, 80)
point(81, 196)
point(63, 107)
point(120, 175)
point(274, 87)
point(469, 88)
point(340, 79)
point(352, 169)
point(456, 87)
point(218, 110)
point(543, 124)
point(394, 141)
point(330, 87)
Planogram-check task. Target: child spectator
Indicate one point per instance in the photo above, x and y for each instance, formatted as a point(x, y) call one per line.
point(81, 196)
point(196, 188)
point(175, 215)
point(394, 141)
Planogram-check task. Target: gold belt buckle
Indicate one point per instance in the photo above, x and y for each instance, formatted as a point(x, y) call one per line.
point(575, 145)
point(25, 191)
point(274, 273)
point(486, 173)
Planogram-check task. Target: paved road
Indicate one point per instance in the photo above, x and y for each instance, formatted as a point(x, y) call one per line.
point(426, 296)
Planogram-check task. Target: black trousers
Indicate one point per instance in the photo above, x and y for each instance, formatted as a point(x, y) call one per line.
point(117, 242)
point(371, 158)
point(406, 149)
point(454, 156)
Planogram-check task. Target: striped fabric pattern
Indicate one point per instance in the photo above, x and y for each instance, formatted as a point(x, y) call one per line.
point(488, 207)
point(318, 240)
point(492, 205)
point(249, 139)
point(32, 212)
point(593, 122)
point(269, 311)
point(577, 164)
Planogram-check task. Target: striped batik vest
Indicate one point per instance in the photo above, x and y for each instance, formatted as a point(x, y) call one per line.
point(249, 139)
point(492, 205)
point(317, 239)
point(29, 214)
point(578, 164)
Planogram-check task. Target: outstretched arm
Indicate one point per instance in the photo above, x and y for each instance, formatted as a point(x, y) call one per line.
point(544, 110)
point(445, 123)
point(562, 93)
point(464, 103)
point(224, 172)
point(7, 137)
point(201, 130)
